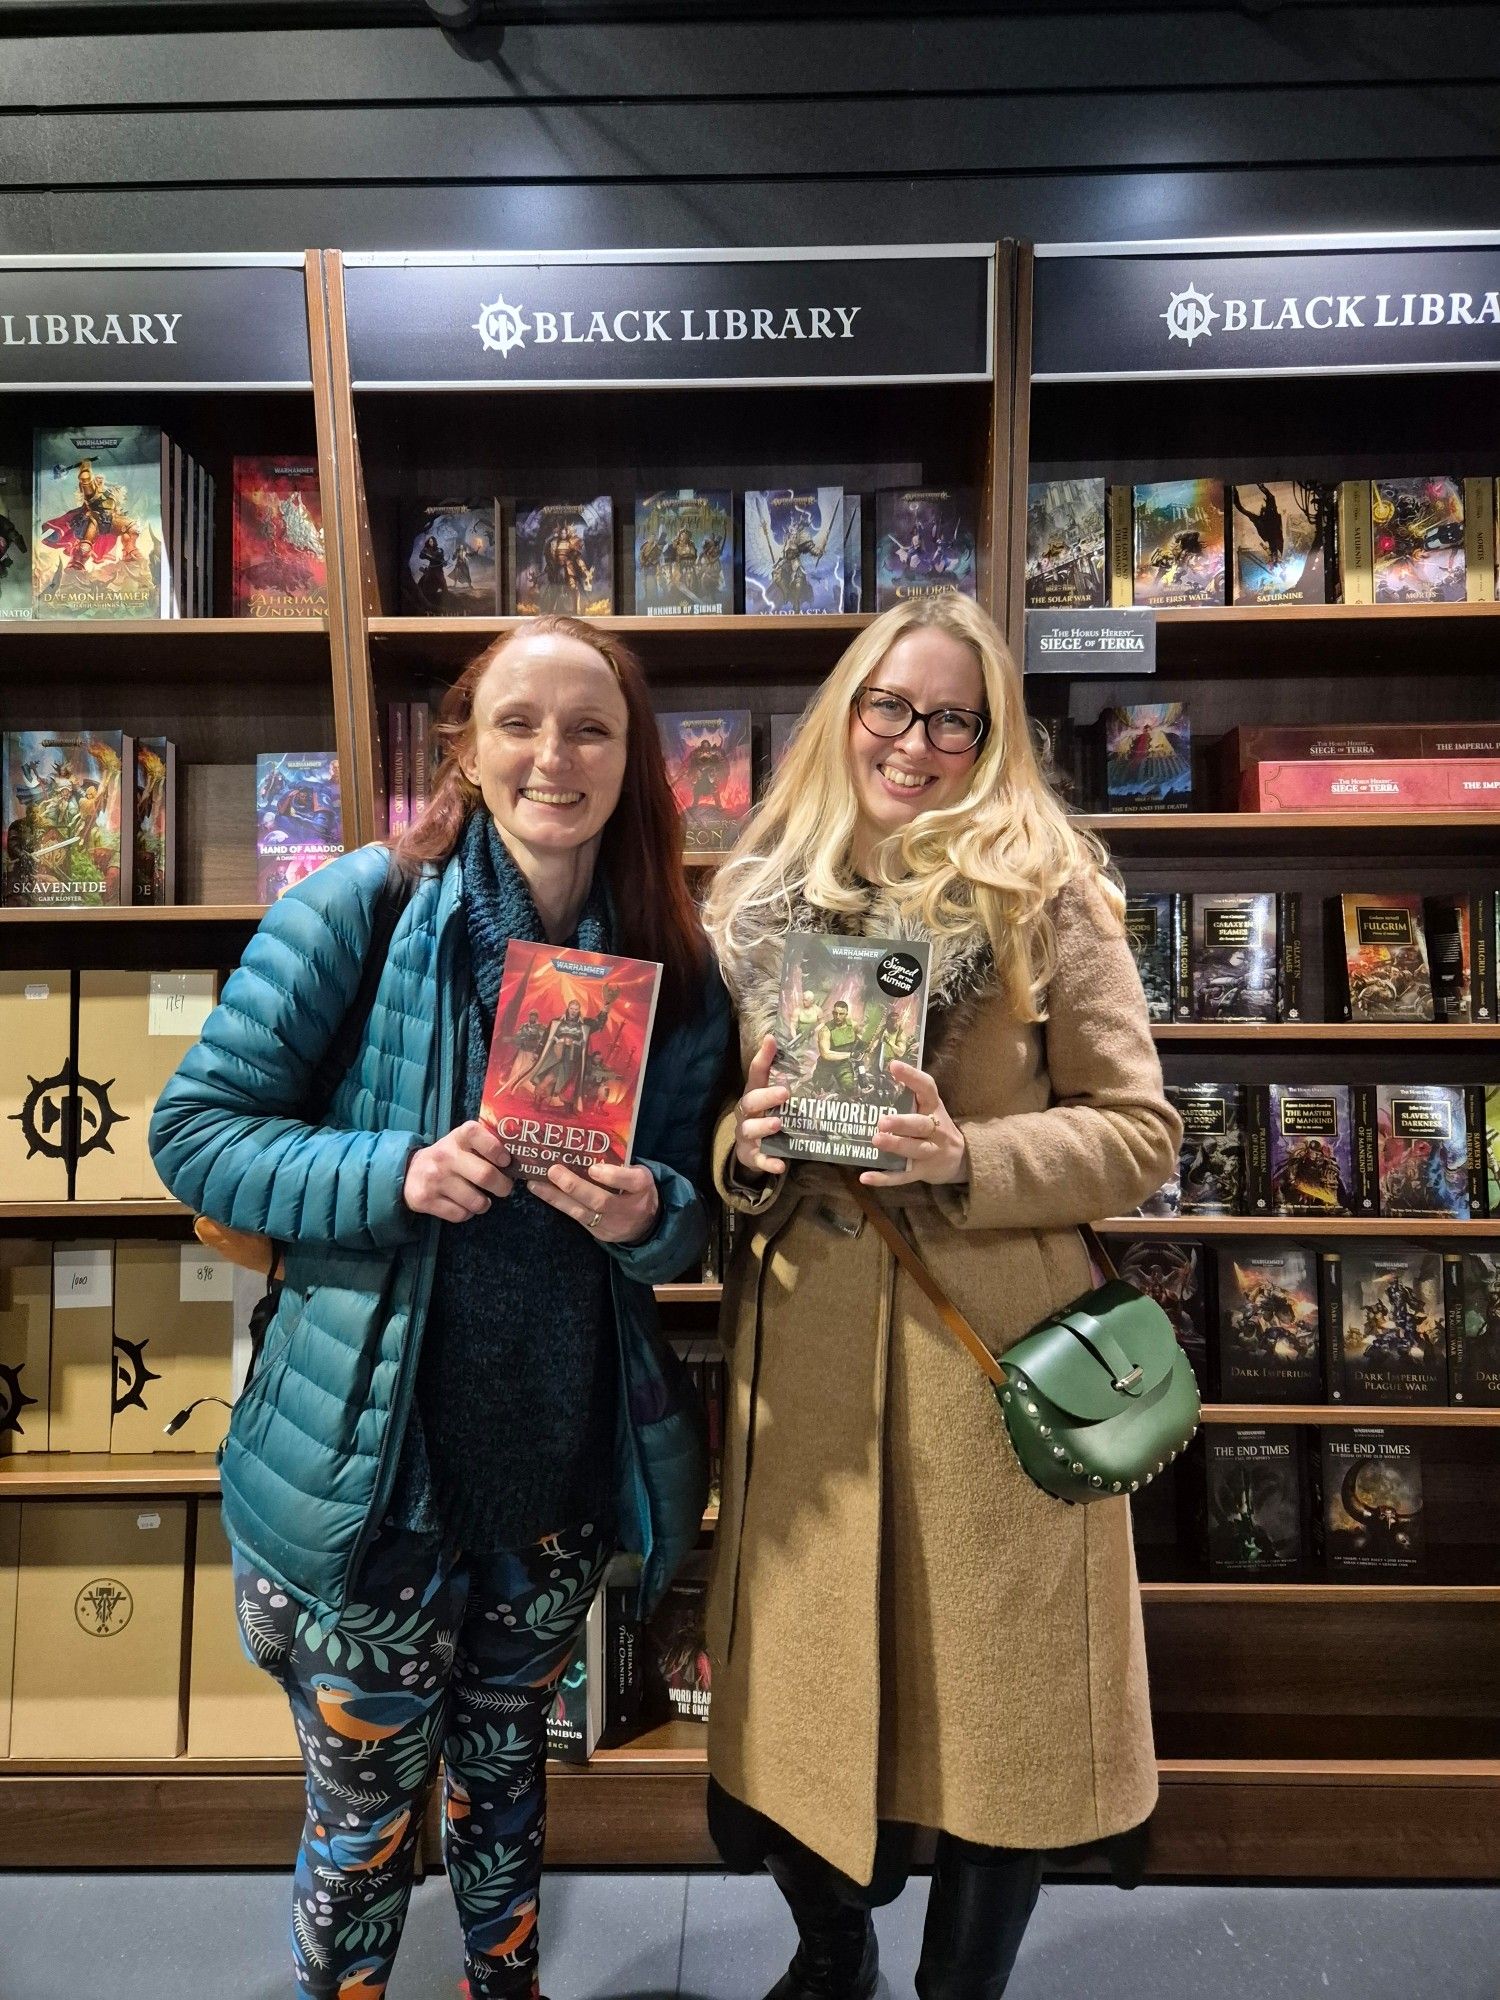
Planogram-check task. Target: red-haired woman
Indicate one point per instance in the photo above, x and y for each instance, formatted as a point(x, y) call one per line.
point(462, 1407)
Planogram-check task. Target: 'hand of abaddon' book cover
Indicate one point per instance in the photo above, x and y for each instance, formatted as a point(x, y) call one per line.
point(572, 1031)
point(850, 1007)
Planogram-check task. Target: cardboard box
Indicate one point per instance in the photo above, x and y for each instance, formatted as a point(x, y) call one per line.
point(25, 1343)
point(1370, 784)
point(173, 1345)
point(82, 1374)
point(10, 1545)
point(134, 1028)
point(99, 1629)
point(234, 1708)
point(36, 1015)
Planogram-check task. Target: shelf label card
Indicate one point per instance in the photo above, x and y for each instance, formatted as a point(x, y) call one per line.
point(83, 1274)
point(1091, 642)
point(180, 1003)
point(204, 1279)
point(37, 989)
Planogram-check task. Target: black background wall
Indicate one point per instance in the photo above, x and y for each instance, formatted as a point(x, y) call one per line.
point(205, 126)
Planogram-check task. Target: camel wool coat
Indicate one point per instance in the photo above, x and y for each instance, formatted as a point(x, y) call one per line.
point(901, 1625)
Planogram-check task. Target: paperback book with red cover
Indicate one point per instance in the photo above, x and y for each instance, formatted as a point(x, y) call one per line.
point(572, 1030)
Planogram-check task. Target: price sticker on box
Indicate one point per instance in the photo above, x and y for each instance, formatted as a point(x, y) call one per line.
point(180, 1003)
point(83, 1274)
point(204, 1280)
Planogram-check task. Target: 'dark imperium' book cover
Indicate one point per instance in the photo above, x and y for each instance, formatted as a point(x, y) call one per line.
point(850, 1007)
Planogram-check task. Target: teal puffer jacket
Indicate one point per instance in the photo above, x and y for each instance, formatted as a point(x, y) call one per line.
point(310, 1461)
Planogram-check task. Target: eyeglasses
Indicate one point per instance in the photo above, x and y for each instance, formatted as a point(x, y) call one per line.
point(949, 729)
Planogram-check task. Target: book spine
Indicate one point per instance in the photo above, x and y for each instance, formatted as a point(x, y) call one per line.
point(1182, 955)
point(1356, 569)
point(1453, 1322)
point(1336, 960)
point(1121, 549)
point(1366, 1150)
point(1482, 942)
point(1331, 1312)
point(398, 777)
point(1479, 1188)
point(419, 745)
point(1479, 541)
point(1289, 940)
point(1257, 1149)
point(622, 1663)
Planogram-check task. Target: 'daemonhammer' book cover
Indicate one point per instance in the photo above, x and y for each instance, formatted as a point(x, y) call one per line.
point(850, 1007)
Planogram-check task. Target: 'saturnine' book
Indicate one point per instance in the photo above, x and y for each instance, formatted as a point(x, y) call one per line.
point(1256, 1509)
point(1387, 1323)
point(298, 817)
point(1474, 1287)
point(1417, 541)
point(1066, 567)
point(794, 550)
point(684, 553)
point(1149, 920)
point(15, 542)
point(572, 1032)
point(155, 820)
point(1386, 974)
point(1372, 1502)
point(1269, 1349)
point(1283, 541)
point(563, 558)
point(924, 544)
point(708, 766)
point(1148, 763)
point(1234, 957)
point(1309, 1148)
point(850, 1007)
point(98, 541)
point(1179, 542)
point(1210, 1177)
point(280, 568)
point(451, 566)
point(1173, 1275)
point(1423, 1149)
point(67, 817)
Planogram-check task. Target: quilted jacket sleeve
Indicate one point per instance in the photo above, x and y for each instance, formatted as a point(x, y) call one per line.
point(226, 1135)
point(683, 1084)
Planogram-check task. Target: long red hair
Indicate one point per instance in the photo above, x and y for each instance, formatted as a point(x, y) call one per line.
point(640, 851)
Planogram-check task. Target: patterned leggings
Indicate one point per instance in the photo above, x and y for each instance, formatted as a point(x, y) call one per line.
point(438, 1653)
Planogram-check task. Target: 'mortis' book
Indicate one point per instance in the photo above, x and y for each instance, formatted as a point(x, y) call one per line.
point(1065, 557)
point(1418, 541)
point(1256, 1505)
point(684, 553)
point(849, 1008)
point(1283, 539)
point(1423, 1148)
point(1372, 1502)
point(1234, 962)
point(1179, 542)
point(1269, 1348)
point(708, 766)
point(563, 558)
point(1388, 1323)
point(794, 551)
point(925, 544)
point(572, 1032)
point(280, 569)
point(1386, 974)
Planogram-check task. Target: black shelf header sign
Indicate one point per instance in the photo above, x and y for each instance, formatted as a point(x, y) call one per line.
point(1292, 312)
point(154, 326)
point(607, 322)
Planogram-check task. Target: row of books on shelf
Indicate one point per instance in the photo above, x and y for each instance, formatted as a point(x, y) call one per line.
point(1379, 1320)
point(688, 552)
point(625, 1676)
point(1427, 540)
point(118, 521)
point(1404, 1150)
point(1237, 955)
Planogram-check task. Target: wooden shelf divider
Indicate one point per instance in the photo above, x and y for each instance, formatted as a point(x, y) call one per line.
point(1330, 1227)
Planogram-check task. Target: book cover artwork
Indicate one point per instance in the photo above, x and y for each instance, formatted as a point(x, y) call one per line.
point(854, 553)
point(1255, 1513)
point(1394, 1335)
point(572, 1032)
point(15, 542)
point(1385, 959)
point(1210, 1177)
point(794, 550)
point(678, 1666)
point(684, 553)
point(155, 771)
point(1148, 761)
point(96, 549)
point(1234, 957)
point(1417, 541)
point(1424, 1156)
point(924, 545)
point(1372, 1501)
point(1065, 560)
point(1269, 1323)
point(1148, 931)
point(280, 570)
point(708, 767)
point(1283, 530)
point(565, 557)
point(67, 803)
point(1179, 542)
point(1479, 1372)
point(849, 1008)
point(1172, 1274)
point(1311, 1156)
point(451, 564)
point(298, 818)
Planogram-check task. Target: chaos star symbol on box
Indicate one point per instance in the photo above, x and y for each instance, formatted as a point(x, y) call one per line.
point(13, 1399)
point(131, 1374)
point(43, 1117)
point(501, 327)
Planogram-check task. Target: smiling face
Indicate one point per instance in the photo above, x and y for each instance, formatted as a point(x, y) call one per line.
point(895, 778)
point(548, 755)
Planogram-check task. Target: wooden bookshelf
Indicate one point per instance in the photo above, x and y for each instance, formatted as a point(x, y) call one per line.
point(1329, 1228)
point(147, 915)
point(68, 1475)
point(1451, 1416)
point(1380, 1034)
point(1321, 1593)
point(1211, 835)
point(93, 1211)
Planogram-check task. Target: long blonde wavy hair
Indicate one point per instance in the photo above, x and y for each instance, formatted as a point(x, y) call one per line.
point(998, 855)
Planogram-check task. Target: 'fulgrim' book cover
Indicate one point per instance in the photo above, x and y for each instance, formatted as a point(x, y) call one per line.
point(1179, 542)
point(1283, 536)
point(850, 1007)
point(298, 817)
point(684, 553)
point(15, 542)
point(794, 550)
point(98, 543)
point(708, 767)
point(1418, 541)
point(924, 544)
point(1065, 561)
point(66, 814)
point(564, 557)
point(1386, 973)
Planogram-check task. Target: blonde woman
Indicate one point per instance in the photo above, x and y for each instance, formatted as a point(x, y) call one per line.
point(905, 1632)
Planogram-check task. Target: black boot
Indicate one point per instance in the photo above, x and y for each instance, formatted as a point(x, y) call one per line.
point(981, 1902)
point(836, 1958)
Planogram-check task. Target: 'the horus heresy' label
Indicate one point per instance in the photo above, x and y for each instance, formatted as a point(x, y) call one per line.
point(850, 1007)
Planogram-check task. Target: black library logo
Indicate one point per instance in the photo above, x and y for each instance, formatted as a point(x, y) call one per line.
point(110, 329)
point(503, 328)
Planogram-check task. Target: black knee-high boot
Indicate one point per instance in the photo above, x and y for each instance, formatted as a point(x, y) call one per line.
point(836, 1957)
point(981, 1902)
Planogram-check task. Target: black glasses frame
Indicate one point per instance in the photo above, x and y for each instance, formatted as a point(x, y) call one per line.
point(916, 715)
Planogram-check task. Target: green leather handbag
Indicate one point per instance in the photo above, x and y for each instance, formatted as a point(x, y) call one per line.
point(1098, 1399)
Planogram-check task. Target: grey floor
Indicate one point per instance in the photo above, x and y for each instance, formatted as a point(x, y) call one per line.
point(712, 1937)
